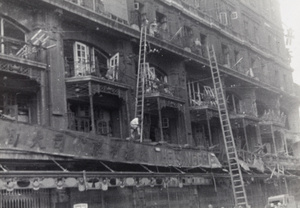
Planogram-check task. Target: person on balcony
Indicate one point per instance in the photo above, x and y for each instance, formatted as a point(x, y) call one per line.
point(110, 73)
point(135, 130)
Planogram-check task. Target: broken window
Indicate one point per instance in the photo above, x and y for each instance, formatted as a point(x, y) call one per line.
point(79, 118)
point(161, 20)
point(156, 80)
point(12, 37)
point(237, 60)
point(16, 106)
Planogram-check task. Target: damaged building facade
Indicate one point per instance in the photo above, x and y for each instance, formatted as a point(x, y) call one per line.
point(68, 71)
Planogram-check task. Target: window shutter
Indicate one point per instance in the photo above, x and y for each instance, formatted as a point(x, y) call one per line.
point(114, 66)
point(81, 62)
point(92, 61)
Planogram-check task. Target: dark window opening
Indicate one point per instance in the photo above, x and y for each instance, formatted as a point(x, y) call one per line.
point(18, 107)
point(226, 55)
point(160, 18)
point(13, 38)
point(233, 103)
point(12, 31)
point(187, 31)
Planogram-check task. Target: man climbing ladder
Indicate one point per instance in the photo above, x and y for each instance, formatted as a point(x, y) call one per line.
point(140, 83)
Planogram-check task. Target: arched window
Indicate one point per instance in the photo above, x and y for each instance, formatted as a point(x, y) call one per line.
point(82, 59)
point(12, 37)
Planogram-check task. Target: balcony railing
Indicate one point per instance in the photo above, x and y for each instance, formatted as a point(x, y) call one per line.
point(199, 97)
point(156, 86)
point(88, 69)
point(275, 117)
point(19, 49)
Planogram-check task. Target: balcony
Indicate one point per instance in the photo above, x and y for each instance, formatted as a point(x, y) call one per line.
point(81, 70)
point(156, 87)
point(19, 50)
point(274, 117)
point(201, 97)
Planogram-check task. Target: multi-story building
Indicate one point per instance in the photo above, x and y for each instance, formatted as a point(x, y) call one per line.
point(68, 80)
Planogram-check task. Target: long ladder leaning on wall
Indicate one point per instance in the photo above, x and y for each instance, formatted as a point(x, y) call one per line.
point(140, 83)
point(237, 182)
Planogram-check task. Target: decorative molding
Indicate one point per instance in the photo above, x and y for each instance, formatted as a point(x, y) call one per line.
point(20, 69)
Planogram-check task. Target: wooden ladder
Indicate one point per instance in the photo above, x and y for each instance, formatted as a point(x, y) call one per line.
point(238, 187)
point(140, 83)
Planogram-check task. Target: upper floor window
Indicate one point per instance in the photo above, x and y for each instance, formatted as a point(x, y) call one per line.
point(233, 102)
point(226, 55)
point(161, 20)
point(12, 37)
point(79, 2)
point(246, 28)
point(261, 108)
point(237, 60)
point(83, 60)
point(223, 18)
point(95, 5)
point(203, 39)
point(186, 31)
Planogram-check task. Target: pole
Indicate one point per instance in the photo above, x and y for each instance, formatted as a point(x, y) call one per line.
point(92, 109)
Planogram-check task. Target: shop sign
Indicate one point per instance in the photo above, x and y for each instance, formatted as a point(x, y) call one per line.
point(38, 139)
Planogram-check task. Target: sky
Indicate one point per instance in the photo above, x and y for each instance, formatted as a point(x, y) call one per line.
point(290, 13)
